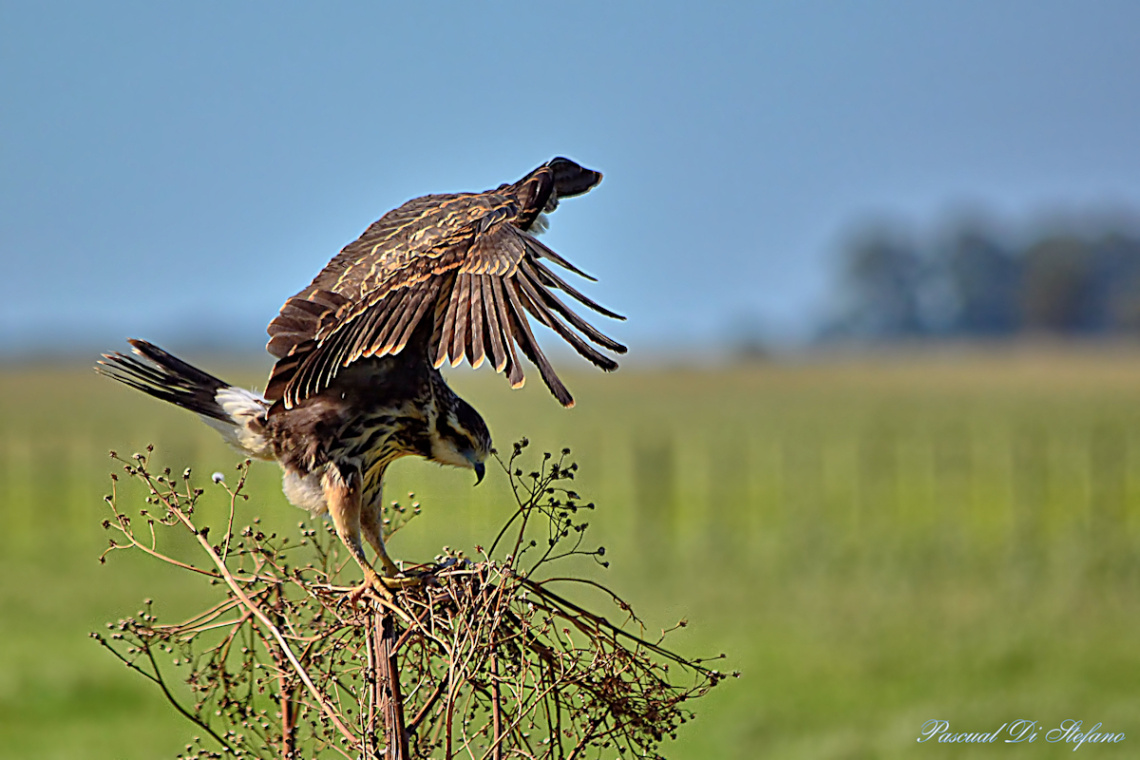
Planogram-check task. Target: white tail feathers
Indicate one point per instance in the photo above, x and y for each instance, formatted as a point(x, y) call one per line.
point(244, 430)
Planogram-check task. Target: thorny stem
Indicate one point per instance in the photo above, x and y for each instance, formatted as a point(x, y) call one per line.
point(273, 630)
point(233, 508)
point(508, 468)
point(288, 727)
point(499, 665)
point(257, 612)
point(157, 679)
point(374, 696)
point(396, 737)
point(496, 710)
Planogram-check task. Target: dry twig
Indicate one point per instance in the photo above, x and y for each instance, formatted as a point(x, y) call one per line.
point(483, 659)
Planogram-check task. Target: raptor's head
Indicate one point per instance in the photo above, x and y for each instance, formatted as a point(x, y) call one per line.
point(460, 437)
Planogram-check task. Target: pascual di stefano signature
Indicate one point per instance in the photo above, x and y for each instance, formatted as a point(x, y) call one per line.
point(1020, 731)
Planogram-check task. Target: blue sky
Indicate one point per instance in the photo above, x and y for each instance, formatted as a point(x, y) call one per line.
point(176, 170)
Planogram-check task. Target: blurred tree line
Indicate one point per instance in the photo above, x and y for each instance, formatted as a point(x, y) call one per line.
point(1075, 279)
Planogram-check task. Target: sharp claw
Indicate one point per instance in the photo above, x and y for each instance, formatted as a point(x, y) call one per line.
point(382, 586)
point(358, 593)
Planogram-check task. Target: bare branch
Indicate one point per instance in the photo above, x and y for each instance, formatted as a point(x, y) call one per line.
point(488, 661)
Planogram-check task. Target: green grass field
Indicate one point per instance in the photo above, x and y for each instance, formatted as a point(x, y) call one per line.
point(872, 543)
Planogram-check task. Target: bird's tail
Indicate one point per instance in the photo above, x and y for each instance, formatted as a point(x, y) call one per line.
point(238, 414)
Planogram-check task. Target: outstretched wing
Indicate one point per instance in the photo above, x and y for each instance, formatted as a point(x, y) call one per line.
point(465, 261)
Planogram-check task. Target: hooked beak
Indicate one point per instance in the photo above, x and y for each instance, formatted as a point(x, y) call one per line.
point(479, 470)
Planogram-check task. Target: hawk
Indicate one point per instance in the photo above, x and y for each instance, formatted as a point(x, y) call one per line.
point(357, 385)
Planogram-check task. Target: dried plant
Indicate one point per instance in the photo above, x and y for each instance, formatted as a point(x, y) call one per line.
point(480, 658)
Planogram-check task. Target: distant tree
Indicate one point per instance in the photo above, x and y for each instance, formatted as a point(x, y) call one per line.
point(984, 280)
point(1116, 281)
point(883, 278)
point(976, 285)
point(1056, 296)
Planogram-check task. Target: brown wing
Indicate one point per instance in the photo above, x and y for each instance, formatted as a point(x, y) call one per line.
point(467, 261)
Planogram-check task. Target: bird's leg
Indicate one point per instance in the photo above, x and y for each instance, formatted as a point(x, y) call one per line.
point(372, 525)
point(342, 495)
